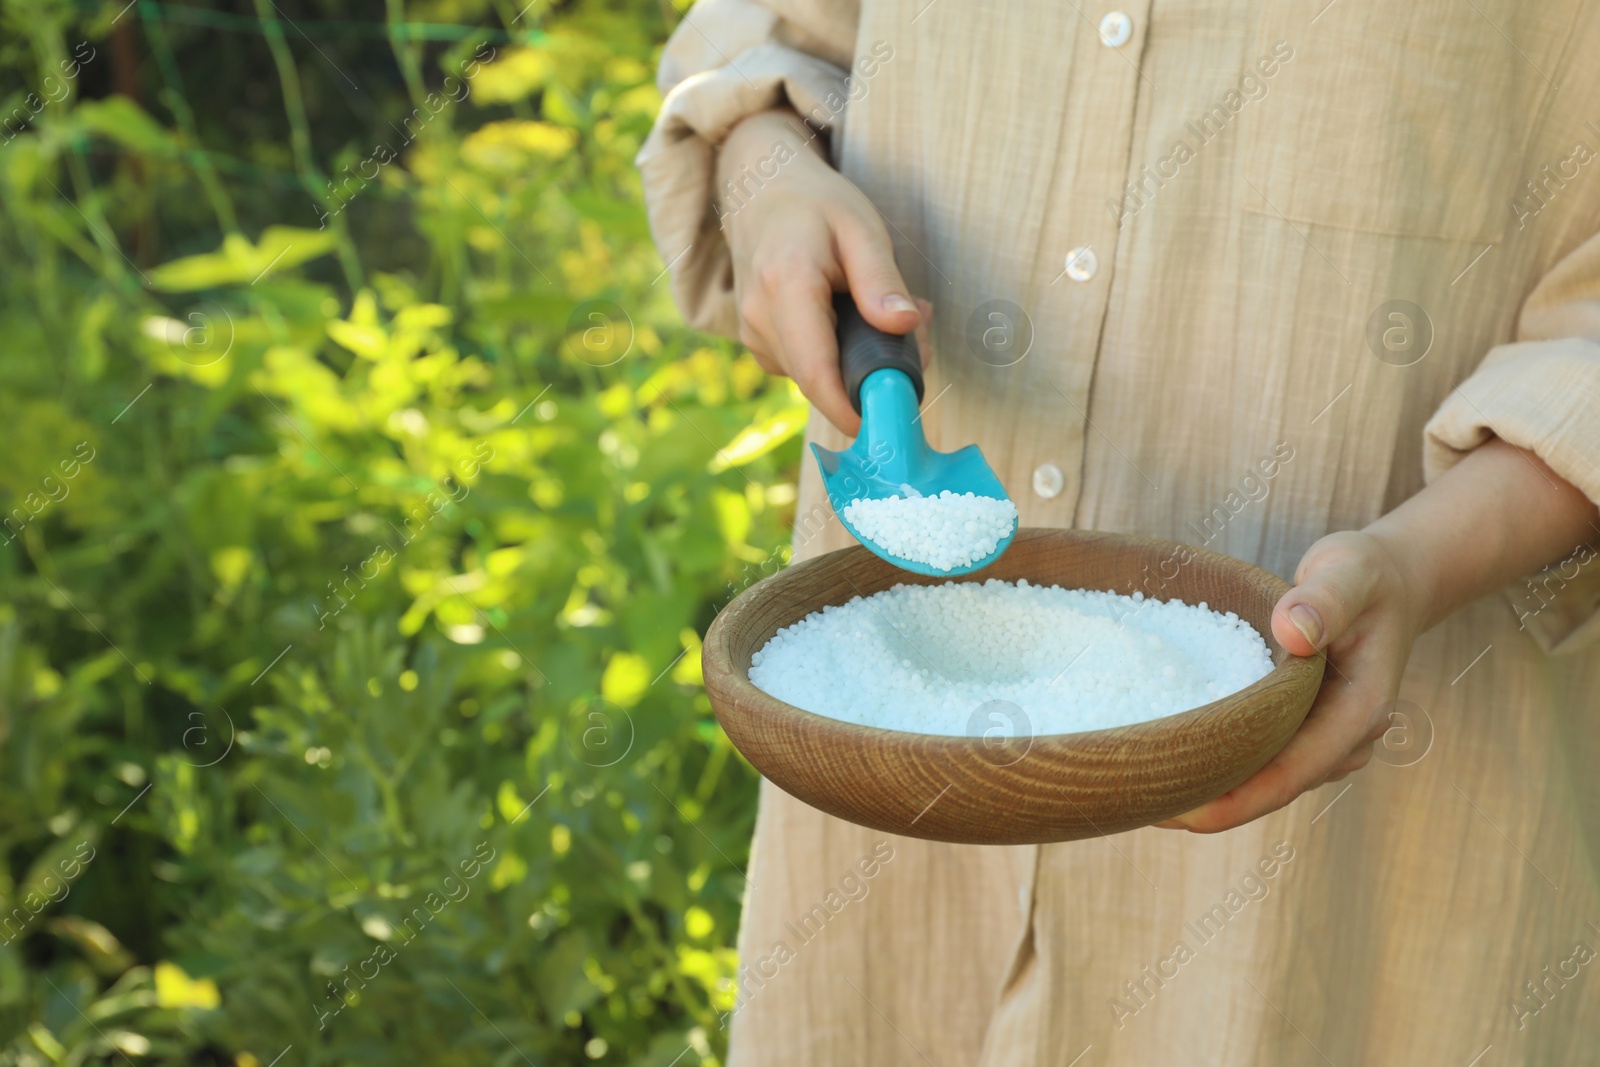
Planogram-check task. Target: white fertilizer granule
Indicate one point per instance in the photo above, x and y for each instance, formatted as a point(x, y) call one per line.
point(945, 532)
point(997, 659)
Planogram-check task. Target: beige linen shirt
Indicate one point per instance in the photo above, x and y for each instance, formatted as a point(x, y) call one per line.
point(1344, 242)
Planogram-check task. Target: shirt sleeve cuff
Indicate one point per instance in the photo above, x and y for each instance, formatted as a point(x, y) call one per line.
point(678, 163)
point(1542, 396)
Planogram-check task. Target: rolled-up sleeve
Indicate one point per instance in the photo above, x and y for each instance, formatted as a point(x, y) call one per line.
point(1542, 393)
point(729, 59)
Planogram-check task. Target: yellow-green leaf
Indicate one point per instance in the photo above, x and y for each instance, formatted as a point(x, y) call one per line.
point(120, 119)
point(368, 342)
point(509, 802)
point(697, 922)
point(515, 143)
point(626, 678)
point(175, 989)
point(758, 439)
point(238, 262)
point(517, 73)
point(688, 669)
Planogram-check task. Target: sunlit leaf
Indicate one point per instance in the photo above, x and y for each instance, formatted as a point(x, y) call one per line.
point(757, 440)
point(125, 122)
point(175, 989)
point(238, 262)
point(626, 678)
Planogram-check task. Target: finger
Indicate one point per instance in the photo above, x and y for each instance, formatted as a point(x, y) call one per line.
point(1322, 605)
point(1338, 724)
point(803, 319)
point(758, 347)
point(755, 327)
point(765, 361)
point(874, 279)
point(1353, 762)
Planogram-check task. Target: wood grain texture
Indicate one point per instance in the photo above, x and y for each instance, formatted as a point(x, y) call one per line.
point(1026, 790)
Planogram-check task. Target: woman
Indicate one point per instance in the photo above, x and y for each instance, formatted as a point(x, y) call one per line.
point(1309, 283)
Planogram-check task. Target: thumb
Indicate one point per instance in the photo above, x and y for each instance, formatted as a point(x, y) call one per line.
point(1321, 607)
point(875, 283)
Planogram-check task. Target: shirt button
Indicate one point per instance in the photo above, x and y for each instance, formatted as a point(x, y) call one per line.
point(1115, 29)
point(1082, 263)
point(1048, 480)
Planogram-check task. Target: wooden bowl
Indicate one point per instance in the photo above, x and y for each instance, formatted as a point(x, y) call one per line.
point(1021, 790)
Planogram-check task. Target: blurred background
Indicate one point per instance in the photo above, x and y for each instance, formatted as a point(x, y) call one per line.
point(363, 500)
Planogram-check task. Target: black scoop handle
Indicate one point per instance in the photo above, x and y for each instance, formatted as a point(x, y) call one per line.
point(863, 348)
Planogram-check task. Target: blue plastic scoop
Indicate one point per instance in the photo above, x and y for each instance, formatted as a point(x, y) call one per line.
point(890, 457)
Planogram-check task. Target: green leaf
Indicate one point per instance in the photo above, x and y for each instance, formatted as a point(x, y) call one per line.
point(757, 440)
point(238, 262)
point(122, 120)
point(562, 983)
point(626, 678)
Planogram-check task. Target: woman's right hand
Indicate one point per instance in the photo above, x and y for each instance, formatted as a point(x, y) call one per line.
point(796, 239)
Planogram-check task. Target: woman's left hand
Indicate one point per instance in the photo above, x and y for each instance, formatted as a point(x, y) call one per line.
point(1350, 598)
point(1500, 513)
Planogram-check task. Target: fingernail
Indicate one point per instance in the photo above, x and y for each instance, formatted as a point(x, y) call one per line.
point(1178, 822)
point(897, 302)
point(1308, 622)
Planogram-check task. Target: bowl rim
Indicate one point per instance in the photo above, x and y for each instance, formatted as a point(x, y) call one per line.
point(717, 651)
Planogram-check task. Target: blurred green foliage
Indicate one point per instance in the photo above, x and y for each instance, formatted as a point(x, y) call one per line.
point(363, 500)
